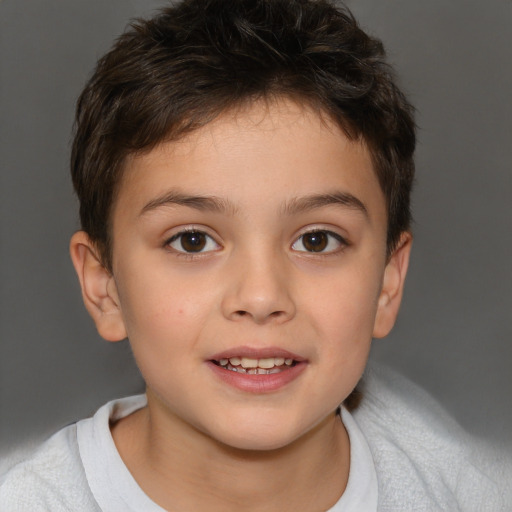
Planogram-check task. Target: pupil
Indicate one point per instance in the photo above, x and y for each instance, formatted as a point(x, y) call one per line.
point(315, 242)
point(193, 242)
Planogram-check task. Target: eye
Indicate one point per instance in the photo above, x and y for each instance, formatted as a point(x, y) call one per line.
point(319, 241)
point(192, 242)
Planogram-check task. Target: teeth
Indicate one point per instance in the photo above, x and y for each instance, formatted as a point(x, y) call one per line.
point(267, 363)
point(249, 365)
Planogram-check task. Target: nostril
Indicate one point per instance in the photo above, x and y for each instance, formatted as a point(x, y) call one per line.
point(259, 316)
point(274, 314)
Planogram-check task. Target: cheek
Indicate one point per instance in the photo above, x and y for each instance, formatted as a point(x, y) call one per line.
point(344, 307)
point(155, 290)
point(162, 326)
point(165, 318)
point(156, 309)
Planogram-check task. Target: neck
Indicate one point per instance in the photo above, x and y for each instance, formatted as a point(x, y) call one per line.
point(181, 468)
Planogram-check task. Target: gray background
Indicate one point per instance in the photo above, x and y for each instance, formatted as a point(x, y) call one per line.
point(454, 335)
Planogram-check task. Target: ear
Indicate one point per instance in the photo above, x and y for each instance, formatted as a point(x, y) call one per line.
point(99, 289)
point(392, 287)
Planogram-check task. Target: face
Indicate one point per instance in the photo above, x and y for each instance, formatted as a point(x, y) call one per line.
point(249, 272)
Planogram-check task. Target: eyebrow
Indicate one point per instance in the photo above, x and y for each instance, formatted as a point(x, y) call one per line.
point(311, 202)
point(203, 203)
point(291, 207)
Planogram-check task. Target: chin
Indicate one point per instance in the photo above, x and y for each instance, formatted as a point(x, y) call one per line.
point(258, 435)
point(259, 443)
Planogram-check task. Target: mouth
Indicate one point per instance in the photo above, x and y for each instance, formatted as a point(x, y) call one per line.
point(252, 366)
point(261, 370)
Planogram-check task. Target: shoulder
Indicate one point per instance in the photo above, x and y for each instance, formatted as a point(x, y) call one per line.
point(423, 456)
point(50, 479)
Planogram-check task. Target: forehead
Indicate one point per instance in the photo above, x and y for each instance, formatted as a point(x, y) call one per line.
point(260, 154)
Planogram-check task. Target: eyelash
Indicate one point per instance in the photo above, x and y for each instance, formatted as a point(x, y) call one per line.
point(325, 239)
point(179, 237)
point(340, 242)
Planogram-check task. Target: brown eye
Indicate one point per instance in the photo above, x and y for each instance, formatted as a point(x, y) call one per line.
point(315, 241)
point(320, 241)
point(192, 242)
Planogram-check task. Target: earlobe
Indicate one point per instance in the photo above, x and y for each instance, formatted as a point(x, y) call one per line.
point(99, 290)
point(392, 287)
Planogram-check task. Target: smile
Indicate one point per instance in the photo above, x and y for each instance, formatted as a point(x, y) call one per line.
point(251, 366)
point(262, 370)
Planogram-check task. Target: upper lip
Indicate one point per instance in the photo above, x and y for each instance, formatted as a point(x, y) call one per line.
point(256, 353)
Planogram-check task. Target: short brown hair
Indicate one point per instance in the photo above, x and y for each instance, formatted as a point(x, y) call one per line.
point(169, 75)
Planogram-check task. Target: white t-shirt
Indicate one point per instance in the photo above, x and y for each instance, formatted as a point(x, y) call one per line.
point(406, 455)
point(80, 469)
point(115, 490)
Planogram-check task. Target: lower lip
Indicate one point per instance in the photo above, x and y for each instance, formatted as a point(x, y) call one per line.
point(258, 383)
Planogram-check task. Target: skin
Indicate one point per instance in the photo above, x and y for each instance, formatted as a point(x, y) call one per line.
point(256, 285)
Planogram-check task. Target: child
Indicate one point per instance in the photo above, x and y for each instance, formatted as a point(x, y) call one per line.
point(244, 171)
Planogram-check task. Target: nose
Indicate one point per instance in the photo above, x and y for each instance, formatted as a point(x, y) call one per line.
point(258, 289)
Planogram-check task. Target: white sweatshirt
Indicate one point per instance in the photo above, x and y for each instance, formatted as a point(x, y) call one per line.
point(407, 454)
